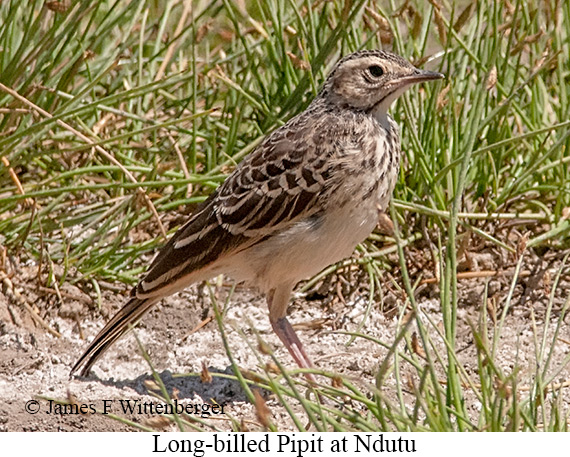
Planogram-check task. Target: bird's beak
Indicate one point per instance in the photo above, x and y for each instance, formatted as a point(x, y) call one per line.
point(421, 76)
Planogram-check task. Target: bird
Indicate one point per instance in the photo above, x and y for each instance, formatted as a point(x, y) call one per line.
point(302, 200)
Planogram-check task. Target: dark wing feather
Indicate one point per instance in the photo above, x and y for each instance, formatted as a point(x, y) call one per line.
point(195, 245)
point(275, 187)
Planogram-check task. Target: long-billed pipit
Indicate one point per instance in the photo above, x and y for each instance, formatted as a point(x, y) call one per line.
point(301, 201)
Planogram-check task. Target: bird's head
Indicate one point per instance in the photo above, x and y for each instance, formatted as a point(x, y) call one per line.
point(372, 80)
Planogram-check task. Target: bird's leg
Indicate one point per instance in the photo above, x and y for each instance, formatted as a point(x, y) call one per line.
point(277, 301)
point(285, 332)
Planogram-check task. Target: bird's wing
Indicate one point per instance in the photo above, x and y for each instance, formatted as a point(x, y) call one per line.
point(272, 188)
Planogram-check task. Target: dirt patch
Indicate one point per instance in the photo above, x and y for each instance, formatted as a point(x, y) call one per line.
point(35, 365)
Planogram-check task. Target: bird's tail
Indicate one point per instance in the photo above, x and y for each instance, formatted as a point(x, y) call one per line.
point(121, 322)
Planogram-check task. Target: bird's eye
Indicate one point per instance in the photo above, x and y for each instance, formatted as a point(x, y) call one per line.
point(376, 71)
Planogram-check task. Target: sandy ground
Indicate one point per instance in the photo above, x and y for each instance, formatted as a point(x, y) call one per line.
point(35, 365)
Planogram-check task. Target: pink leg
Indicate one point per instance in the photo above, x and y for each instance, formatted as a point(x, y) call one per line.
point(287, 335)
point(277, 301)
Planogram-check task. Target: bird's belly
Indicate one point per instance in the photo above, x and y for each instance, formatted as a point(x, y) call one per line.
point(307, 247)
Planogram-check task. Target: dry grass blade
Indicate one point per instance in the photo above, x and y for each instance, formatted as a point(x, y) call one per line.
point(102, 151)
